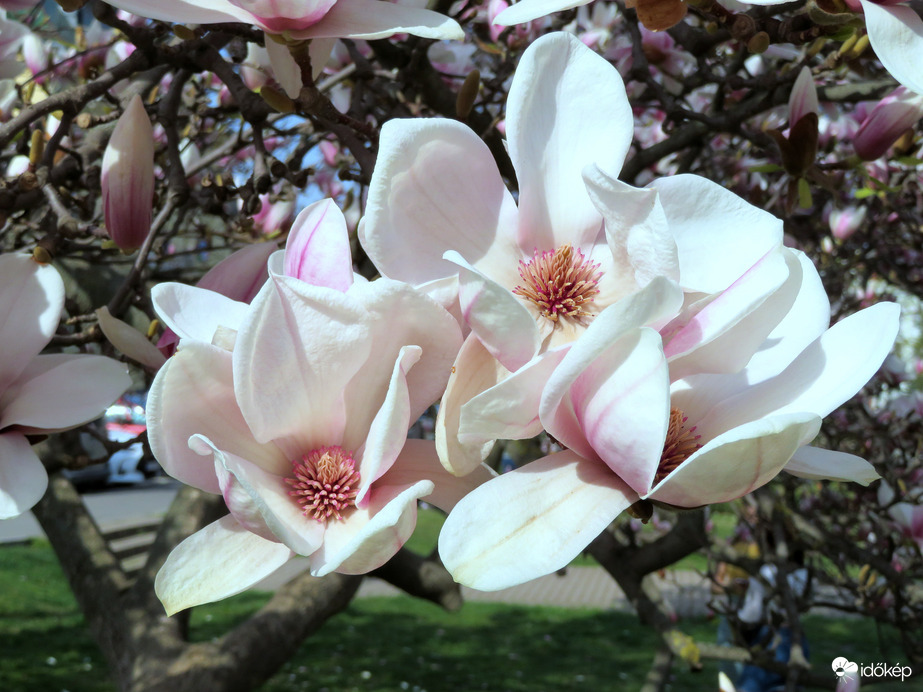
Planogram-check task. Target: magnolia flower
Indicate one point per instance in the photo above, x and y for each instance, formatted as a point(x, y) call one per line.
point(127, 179)
point(532, 279)
point(302, 425)
point(640, 423)
point(40, 394)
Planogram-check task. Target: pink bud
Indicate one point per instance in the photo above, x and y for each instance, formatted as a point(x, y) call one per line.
point(845, 222)
point(128, 178)
point(803, 99)
point(894, 114)
point(495, 7)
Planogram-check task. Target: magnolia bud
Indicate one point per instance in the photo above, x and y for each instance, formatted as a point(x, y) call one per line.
point(127, 178)
point(889, 119)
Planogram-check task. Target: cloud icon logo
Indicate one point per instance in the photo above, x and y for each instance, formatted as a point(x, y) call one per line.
point(841, 666)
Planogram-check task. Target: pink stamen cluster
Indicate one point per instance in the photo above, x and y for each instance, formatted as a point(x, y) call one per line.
point(679, 445)
point(559, 283)
point(325, 483)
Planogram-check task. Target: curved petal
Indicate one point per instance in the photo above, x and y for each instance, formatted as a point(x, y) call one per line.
point(896, 34)
point(388, 431)
point(509, 409)
point(23, 479)
point(371, 19)
point(636, 228)
point(722, 336)
point(129, 340)
point(31, 298)
point(737, 462)
point(827, 373)
point(293, 359)
point(398, 316)
point(370, 535)
point(436, 187)
point(475, 371)
point(317, 250)
point(501, 321)
point(240, 275)
point(719, 236)
point(194, 394)
point(194, 12)
point(261, 501)
point(531, 521)
point(195, 313)
point(61, 391)
point(221, 560)
point(567, 108)
point(825, 464)
point(527, 10)
point(418, 461)
point(286, 71)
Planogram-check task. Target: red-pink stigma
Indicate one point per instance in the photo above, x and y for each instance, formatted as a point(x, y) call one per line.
point(561, 283)
point(325, 483)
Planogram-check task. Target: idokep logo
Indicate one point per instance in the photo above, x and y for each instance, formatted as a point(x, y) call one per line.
point(842, 666)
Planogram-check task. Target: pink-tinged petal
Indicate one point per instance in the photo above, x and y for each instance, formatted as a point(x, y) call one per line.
point(195, 313)
point(240, 275)
point(399, 316)
point(127, 178)
point(657, 301)
point(827, 373)
point(284, 68)
point(294, 356)
point(388, 430)
point(445, 292)
point(636, 229)
point(703, 216)
point(371, 19)
point(509, 409)
point(319, 51)
point(262, 499)
point(889, 120)
point(317, 250)
point(501, 321)
point(23, 479)
point(221, 560)
point(194, 394)
point(436, 187)
point(418, 461)
point(825, 464)
point(803, 99)
point(527, 10)
point(61, 391)
point(129, 340)
point(896, 34)
point(370, 535)
point(531, 521)
point(475, 371)
point(31, 298)
point(737, 462)
point(180, 11)
point(723, 335)
point(566, 109)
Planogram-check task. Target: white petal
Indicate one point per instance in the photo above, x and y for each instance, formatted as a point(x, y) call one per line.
point(567, 108)
point(436, 187)
point(825, 464)
point(371, 19)
point(193, 12)
point(531, 521)
point(129, 340)
point(61, 391)
point(370, 535)
point(718, 235)
point(284, 68)
point(475, 371)
point(23, 479)
point(221, 560)
point(527, 10)
point(317, 250)
point(737, 462)
point(501, 321)
point(418, 461)
point(31, 298)
point(896, 34)
point(196, 313)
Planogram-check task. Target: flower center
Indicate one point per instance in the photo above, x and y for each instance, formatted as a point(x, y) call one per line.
point(681, 442)
point(325, 482)
point(559, 283)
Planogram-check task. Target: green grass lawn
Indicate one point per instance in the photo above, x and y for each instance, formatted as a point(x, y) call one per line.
point(380, 644)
